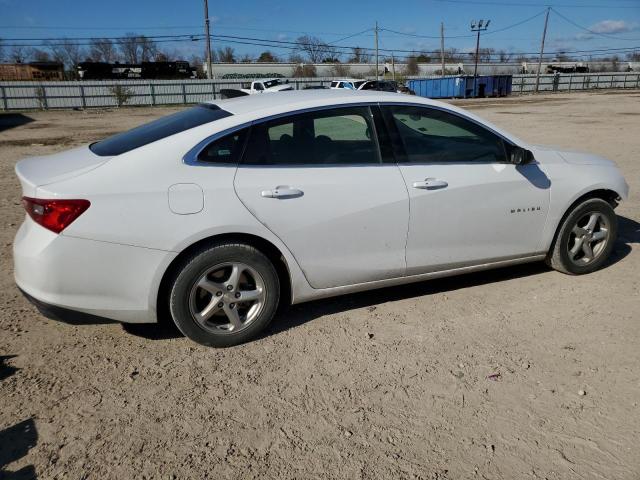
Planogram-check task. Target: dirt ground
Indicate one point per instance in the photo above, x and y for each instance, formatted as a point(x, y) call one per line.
point(395, 383)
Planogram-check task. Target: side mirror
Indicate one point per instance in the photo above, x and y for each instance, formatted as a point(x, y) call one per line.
point(520, 156)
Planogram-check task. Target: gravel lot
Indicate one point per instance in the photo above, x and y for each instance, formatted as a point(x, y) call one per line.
point(387, 384)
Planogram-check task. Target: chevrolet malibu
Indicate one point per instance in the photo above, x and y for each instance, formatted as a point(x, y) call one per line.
point(218, 213)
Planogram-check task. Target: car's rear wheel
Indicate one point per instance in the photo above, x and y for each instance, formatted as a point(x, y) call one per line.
point(224, 294)
point(585, 238)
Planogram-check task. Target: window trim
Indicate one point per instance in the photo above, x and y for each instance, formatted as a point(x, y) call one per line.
point(191, 157)
point(398, 147)
point(374, 138)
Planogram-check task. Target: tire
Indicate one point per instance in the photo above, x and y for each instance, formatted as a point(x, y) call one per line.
point(570, 255)
point(224, 294)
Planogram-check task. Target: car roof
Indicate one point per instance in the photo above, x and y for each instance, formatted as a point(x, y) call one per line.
point(252, 107)
point(300, 99)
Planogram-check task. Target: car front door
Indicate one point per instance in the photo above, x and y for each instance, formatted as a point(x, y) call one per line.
point(468, 204)
point(318, 182)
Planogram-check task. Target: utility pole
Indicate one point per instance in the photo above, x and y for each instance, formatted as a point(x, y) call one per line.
point(393, 67)
point(477, 28)
point(544, 35)
point(442, 45)
point(207, 34)
point(377, 68)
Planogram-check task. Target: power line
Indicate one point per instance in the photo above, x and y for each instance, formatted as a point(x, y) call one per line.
point(468, 36)
point(290, 45)
point(589, 30)
point(526, 4)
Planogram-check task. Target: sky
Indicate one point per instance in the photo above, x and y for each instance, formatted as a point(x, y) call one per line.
point(404, 25)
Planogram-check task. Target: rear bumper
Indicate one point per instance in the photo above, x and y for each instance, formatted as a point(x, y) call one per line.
point(114, 281)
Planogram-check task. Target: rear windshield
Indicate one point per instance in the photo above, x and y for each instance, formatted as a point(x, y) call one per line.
point(158, 129)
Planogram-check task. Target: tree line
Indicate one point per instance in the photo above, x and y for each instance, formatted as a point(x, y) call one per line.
point(306, 50)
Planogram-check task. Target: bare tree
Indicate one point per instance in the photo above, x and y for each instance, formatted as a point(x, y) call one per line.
point(359, 55)
point(103, 50)
point(1, 50)
point(340, 70)
point(412, 67)
point(503, 56)
point(296, 58)
point(40, 55)
point(67, 52)
point(226, 55)
point(267, 57)
point(246, 58)
point(18, 55)
point(304, 71)
point(486, 54)
point(316, 49)
point(137, 48)
point(451, 55)
point(197, 63)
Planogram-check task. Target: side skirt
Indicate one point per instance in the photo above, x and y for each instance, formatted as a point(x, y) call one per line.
point(312, 294)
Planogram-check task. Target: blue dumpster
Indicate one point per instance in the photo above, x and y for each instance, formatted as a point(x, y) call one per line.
point(462, 86)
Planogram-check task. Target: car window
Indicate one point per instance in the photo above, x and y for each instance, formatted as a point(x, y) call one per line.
point(334, 84)
point(429, 135)
point(227, 149)
point(341, 136)
point(158, 129)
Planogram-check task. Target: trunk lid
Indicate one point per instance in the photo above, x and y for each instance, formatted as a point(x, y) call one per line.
point(34, 172)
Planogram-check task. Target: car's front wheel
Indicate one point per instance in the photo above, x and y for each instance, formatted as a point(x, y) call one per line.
point(585, 238)
point(224, 294)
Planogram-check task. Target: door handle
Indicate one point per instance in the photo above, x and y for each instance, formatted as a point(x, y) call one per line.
point(430, 184)
point(282, 191)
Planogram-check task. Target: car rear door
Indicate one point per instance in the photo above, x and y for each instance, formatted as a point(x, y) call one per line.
point(468, 204)
point(317, 181)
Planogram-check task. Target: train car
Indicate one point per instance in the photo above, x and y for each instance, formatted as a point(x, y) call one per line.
point(144, 70)
point(45, 71)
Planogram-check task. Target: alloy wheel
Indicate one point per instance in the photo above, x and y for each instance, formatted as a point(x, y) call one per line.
point(588, 238)
point(227, 298)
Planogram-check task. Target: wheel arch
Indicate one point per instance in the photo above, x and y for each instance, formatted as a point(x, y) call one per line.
point(608, 195)
point(273, 253)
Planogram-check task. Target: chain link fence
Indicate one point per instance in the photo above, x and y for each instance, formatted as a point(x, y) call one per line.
point(110, 93)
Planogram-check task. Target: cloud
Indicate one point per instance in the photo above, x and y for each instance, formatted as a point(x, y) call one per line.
point(611, 26)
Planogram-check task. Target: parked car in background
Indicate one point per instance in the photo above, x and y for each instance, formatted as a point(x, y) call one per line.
point(348, 83)
point(267, 86)
point(217, 214)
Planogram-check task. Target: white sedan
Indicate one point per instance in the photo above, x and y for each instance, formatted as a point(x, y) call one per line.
point(218, 213)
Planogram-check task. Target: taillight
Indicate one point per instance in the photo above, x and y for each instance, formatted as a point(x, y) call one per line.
point(56, 215)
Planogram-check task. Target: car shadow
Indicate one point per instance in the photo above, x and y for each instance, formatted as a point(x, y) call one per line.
point(296, 315)
point(16, 441)
point(292, 316)
point(6, 370)
point(13, 120)
point(628, 234)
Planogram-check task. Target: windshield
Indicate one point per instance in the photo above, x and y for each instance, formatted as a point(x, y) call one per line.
point(158, 129)
point(272, 83)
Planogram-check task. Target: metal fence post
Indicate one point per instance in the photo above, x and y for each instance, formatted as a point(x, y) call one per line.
point(152, 91)
point(184, 94)
point(213, 90)
point(83, 100)
point(570, 82)
point(611, 82)
point(5, 106)
point(45, 101)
